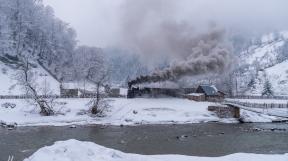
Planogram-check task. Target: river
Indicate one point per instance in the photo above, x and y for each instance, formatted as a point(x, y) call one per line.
point(210, 139)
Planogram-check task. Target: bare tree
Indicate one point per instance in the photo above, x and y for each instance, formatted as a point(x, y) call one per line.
point(27, 79)
point(98, 74)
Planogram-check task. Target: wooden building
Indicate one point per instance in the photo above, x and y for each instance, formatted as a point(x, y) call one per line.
point(114, 92)
point(200, 97)
point(211, 93)
point(68, 90)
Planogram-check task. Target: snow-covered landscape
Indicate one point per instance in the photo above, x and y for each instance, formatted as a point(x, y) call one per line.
point(145, 80)
point(139, 111)
point(264, 61)
point(122, 112)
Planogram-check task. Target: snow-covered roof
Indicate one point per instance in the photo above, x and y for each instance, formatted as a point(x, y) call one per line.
point(70, 85)
point(209, 90)
point(166, 84)
point(78, 85)
point(195, 94)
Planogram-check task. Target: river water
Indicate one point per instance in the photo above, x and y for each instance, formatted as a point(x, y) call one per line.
point(211, 139)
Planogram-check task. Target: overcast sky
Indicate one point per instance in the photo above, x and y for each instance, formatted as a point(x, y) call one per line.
point(94, 20)
point(98, 22)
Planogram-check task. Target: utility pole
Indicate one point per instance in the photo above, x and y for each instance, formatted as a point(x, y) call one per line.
point(45, 83)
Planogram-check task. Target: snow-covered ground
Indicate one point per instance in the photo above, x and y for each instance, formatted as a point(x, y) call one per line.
point(123, 111)
point(73, 150)
point(263, 115)
point(9, 85)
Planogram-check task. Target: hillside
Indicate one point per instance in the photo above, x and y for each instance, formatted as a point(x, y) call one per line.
point(9, 85)
point(265, 61)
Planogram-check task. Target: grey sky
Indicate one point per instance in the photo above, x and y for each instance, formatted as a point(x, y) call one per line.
point(94, 20)
point(98, 22)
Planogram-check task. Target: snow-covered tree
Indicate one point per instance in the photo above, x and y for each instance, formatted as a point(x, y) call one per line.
point(29, 28)
point(252, 83)
point(283, 52)
point(84, 58)
point(267, 88)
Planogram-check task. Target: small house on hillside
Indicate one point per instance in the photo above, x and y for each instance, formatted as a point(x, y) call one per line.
point(211, 93)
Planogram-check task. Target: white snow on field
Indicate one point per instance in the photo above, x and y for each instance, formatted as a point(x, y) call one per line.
point(73, 150)
point(123, 111)
point(9, 86)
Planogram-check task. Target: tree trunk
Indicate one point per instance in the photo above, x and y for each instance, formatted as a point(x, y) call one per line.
point(95, 108)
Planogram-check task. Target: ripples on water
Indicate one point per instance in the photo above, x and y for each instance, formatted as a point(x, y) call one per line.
point(195, 139)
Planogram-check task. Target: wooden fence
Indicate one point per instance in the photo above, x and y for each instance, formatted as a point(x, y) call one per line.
point(50, 96)
point(259, 105)
point(54, 96)
point(259, 97)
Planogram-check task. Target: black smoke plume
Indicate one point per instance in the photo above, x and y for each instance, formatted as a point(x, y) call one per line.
point(155, 29)
point(207, 55)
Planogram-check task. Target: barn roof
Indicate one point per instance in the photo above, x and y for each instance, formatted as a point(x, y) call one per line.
point(209, 90)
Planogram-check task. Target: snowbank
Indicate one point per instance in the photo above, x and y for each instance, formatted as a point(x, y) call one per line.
point(122, 112)
point(248, 116)
point(73, 150)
